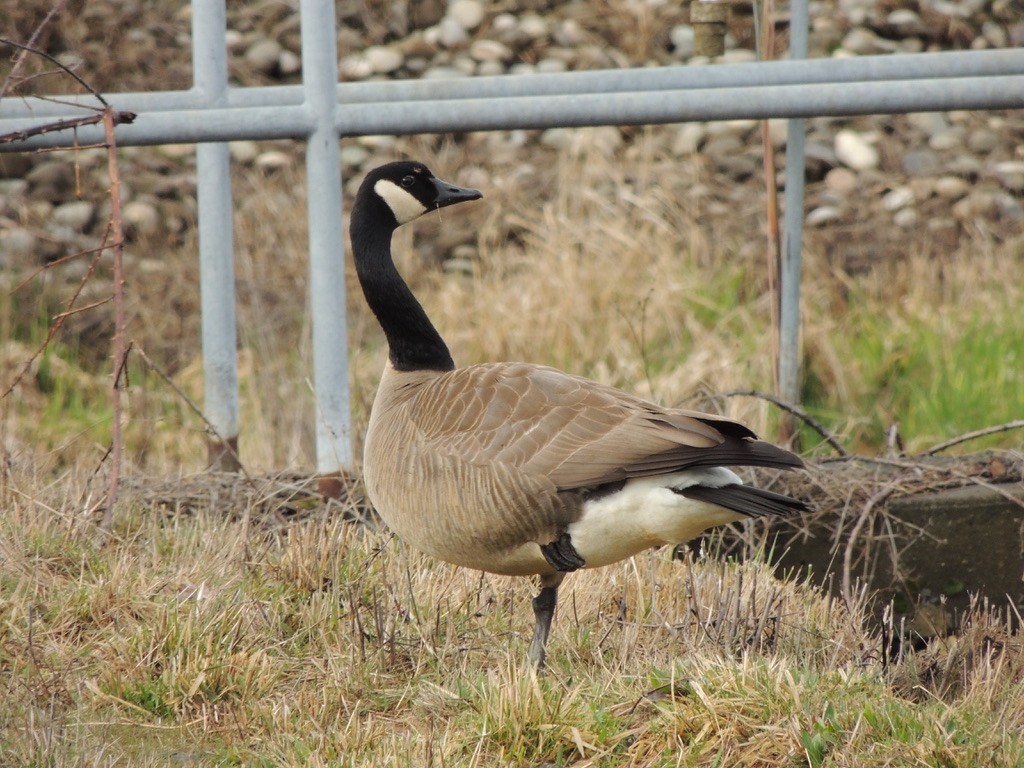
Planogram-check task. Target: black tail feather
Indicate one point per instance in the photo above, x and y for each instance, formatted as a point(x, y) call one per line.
point(745, 499)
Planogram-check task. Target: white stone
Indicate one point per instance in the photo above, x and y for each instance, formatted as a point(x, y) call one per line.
point(951, 187)
point(684, 41)
point(468, 14)
point(688, 139)
point(273, 160)
point(243, 151)
point(263, 55)
point(76, 215)
point(289, 63)
point(905, 218)
point(141, 217)
point(823, 215)
point(490, 50)
point(854, 150)
point(841, 181)
point(897, 198)
point(382, 59)
point(451, 34)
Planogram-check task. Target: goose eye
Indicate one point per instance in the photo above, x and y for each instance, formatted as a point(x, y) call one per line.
point(408, 181)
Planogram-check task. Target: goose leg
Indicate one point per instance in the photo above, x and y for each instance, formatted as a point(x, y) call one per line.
point(544, 612)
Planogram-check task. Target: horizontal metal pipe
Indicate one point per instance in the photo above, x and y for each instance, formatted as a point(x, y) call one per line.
point(637, 108)
point(652, 107)
point(942, 65)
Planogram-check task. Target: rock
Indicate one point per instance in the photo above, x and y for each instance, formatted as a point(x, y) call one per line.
point(905, 218)
point(1010, 174)
point(863, 42)
point(822, 215)
point(841, 181)
point(684, 42)
point(557, 138)
point(244, 151)
point(76, 215)
point(947, 140)
point(14, 165)
point(18, 248)
point(978, 204)
point(382, 59)
point(273, 160)
point(854, 150)
point(451, 34)
point(951, 187)
point(906, 22)
point(490, 50)
point(569, 33)
point(354, 67)
point(289, 63)
point(897, 198)
point(51, 180)
point(468, 14)
point(354, 155)
point(688, 139)
point(533, 26)
point(982, 141)
point(264, 55)
point(141, 218)
point(920, 162)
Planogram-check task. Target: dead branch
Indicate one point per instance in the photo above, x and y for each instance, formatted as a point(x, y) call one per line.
point(119, 118)
point(24, 50)
point(978, 433)
point(795, 410)
point(27, 48)
point(192, 407)
point(120, 338)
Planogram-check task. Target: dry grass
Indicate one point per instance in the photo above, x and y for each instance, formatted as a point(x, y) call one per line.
point(222, 639)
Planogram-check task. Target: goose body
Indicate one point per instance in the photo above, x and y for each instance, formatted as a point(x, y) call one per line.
point(521, 469)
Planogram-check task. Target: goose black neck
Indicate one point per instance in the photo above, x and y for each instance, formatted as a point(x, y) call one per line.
point(413, 342)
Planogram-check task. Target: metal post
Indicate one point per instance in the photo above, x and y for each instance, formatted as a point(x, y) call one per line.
point(326, 249)
point(216, 250)
point(792, 227)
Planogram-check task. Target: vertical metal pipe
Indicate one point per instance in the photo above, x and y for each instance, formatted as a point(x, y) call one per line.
point(792, 227)
point(216, 249)
point(326, 249)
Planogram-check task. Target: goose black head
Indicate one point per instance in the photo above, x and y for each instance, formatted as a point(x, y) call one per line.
point(408, 190)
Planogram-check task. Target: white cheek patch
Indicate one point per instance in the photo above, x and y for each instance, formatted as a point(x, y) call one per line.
point(402, 204)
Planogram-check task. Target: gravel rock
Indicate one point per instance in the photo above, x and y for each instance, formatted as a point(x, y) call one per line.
point(841, 181)
point(898, 198)
point(76, 215)
point(684, 42)
point(951, 187)
point(688, 139)
point(141, 218)
point(244, 151)
point(982, 141)
point(855, 150)
point(920, 162)
point(906, 218)
point(468, 14)
point(274, 160)
point(18, 247)
point(383, 60)
point(822, 215)
point(264, 56)
point(490, 50)
point(1010, 174)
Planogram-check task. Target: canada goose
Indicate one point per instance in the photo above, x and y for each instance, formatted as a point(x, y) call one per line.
point(522, 469)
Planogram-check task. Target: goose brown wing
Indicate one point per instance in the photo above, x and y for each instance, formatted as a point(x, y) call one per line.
point(573, 431)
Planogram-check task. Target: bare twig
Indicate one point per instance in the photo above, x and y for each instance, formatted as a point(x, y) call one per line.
point(52, 60)
point(120, 340)
point(55, 326)
point(865, 515)
point(24, 50)
point(191, 404)
point(795, 410)
point(978, 433)
point(119, 118)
